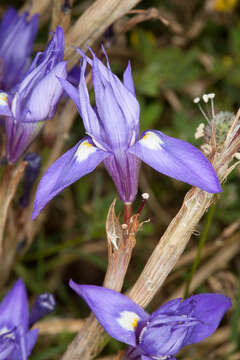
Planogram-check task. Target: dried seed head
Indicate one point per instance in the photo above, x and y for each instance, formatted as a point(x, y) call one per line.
point(219, 123)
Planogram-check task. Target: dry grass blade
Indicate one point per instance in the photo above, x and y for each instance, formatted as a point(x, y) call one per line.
point(92, 24)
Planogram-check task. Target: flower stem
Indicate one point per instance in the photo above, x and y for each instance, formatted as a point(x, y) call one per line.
point(127, 212)
point(200, 247)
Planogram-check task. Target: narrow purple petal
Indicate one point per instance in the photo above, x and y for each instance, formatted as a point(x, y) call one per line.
point(74, 164)
point(127, 101)
point(44, 305)
point(89, 116)
point(17, 36)
point(113, 120)
point(170, 306)
point(162, 341)
point(46, 94)
point(128, 80)
point(176, 158)
point(116, 313)
point(71, 91)
point(209, 309)
point(19, 308)
point(31, 340)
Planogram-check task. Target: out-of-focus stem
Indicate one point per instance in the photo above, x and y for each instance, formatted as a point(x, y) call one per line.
point(92, 24)
point(61, 14)
point(127, 212)
point(36, 6)
point(10, 181)
point(200, 248)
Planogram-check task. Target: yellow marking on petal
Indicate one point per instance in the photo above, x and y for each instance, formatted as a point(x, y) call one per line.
point(128, 320)
point(86, 143)
point(152, 141)
point(3, 98)
point(84, 150)
point(135, 322)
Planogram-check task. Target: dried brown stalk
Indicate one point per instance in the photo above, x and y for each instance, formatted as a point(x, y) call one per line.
point(92, 24)
point(144, 15)
point(61, 14)
point(91, 338)
point(12, 176)
point(36, 6)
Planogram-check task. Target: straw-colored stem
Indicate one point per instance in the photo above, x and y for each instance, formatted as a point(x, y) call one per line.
point(200, 248)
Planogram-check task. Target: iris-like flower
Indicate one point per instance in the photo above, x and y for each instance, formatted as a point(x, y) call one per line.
point(158, 336)
point(16, 340)
point(112, 129)
point(44, 305)
point(17, 35)
point(35, 99)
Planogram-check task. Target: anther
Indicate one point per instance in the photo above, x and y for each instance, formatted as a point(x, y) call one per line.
point(145, 196)
point(205, 98)
point(211, 96)
point(196, 100)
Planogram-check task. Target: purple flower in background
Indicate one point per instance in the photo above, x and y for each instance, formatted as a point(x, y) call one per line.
point(35, 98)
point(158, 336)
point(44, 305)
point(112, 129)
point(17, 35)
point(16, 340)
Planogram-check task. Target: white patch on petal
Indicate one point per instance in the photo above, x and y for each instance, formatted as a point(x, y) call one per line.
point(128, 320)
point(151, 141)
point(7, 333)
point(3, 99)
point(84, 150)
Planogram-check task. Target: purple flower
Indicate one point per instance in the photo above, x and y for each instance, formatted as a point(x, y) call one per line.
point(158, 336)
point(17, 35)
point(35, 98)
point(16, 340)
point(44, 305)
point(112, 129)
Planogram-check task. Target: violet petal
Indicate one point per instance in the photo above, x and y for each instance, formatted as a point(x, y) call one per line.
point(116, 313)
point(176, 158)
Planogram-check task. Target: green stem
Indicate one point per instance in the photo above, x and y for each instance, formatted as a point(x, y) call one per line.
point(200, 247)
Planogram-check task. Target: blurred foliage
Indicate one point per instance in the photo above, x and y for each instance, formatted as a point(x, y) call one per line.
point(199, 52)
